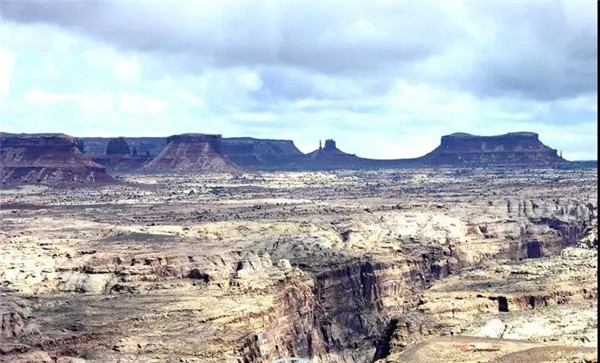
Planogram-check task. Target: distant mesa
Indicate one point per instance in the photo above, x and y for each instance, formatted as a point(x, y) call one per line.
point(119, 157)
point(246, 152)
point(48, 159)
point(251, 153)
point(516, 148)
point(141, 146)
point(458, 149)
point(192, 153)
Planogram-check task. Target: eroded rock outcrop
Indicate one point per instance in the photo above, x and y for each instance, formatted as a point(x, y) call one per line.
point(514, 148)
point(117, 146)
point(50, 159)
point(142, 146)
point(120, 157)
point(192, 153)
point(547, 300)
point(326, 158)
point(251, 153)
point(294, 269)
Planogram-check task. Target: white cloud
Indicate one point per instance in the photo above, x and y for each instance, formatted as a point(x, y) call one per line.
point(126, 68)
point(37, 96)
point(140, 105)
point(385, 80)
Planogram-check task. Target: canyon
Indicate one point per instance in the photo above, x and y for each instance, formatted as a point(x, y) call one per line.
point(414, 264)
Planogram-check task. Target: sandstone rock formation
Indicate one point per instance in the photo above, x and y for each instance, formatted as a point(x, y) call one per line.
point(251, 153)
point(459, 149)
point(342, 266)
point(504, 307)
point(52, 159)
point(119, 157)
point(327, 157)
point(192, 153)
point(246, 152)
point(141, 146)
point(516, 148)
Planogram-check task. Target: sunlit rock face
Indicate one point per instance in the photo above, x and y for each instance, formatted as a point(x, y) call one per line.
point(192, 153)
point(512, 148)
point(50, 159)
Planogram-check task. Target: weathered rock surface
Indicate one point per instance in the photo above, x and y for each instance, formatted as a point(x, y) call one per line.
point(117, 146)
point(251, 153)
point(547, 301)
point(50, 159)
point(191, 153)
point(120, 157)
point(246, 152)
point(142, 146)
point(325, 265)
point(516, 148)
point(458, 149)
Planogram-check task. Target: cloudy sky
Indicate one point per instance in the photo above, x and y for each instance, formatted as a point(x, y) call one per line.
point(385, 79)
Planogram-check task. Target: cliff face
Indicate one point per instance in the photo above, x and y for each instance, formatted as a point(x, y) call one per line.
point(246, 152)
point(192, 153)
point(117, 146)
point(53, 159)
point(142, 146)
point(120, 157)
point(251, 153)
point(459, 149)
point(512, 148)
point(254, 279)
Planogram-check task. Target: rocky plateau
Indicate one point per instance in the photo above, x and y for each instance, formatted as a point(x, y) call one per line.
point(416, 264)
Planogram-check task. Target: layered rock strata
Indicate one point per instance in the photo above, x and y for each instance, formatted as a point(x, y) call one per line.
point(251, 153)
point(119, 157)
point(516, 148)
point(312, 265)
point(192, 153)
point(51, 159)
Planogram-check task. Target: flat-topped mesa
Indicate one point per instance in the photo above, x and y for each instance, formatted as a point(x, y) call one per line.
point(513, 149)
point(251, 153)
point(49, 159)
point(192, 153)
point(207, 142)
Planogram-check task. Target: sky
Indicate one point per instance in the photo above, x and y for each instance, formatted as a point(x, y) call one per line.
point(384, 79)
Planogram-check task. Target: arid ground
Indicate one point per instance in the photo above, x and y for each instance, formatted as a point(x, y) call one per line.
point(407, 265)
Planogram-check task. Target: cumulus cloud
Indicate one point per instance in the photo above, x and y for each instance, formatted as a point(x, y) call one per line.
point(386, 79)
